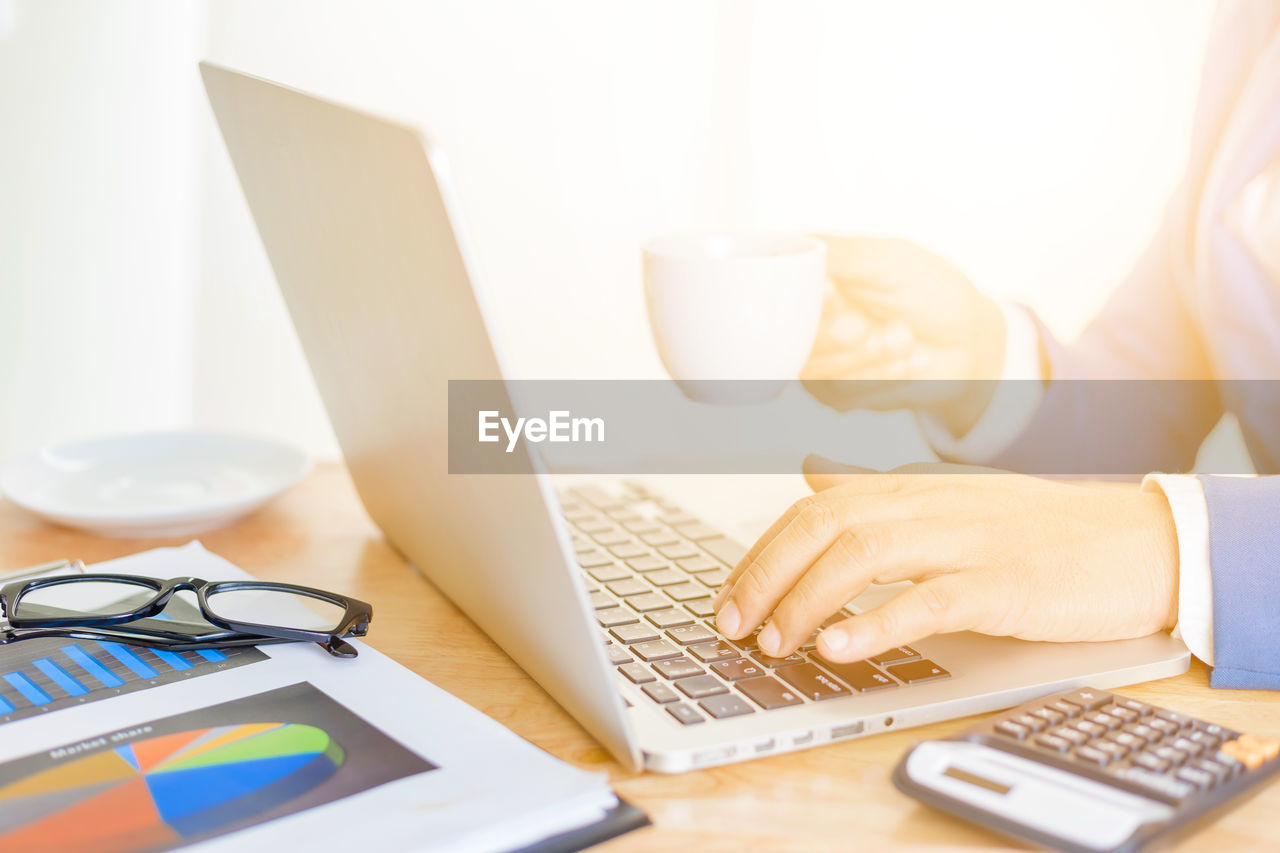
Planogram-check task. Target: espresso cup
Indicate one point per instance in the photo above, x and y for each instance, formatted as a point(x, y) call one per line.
point(734, 306)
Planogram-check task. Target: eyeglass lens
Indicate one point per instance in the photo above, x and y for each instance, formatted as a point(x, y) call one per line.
point(280, 608)
point(89, 597)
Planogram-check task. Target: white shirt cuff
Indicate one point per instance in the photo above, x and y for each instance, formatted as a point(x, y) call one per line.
point(1195, 582)
point(1017, 396)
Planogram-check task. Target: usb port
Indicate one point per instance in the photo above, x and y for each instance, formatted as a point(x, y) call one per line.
point(846, 730)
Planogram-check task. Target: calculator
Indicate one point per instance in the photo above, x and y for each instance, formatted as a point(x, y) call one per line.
point(1088, 770)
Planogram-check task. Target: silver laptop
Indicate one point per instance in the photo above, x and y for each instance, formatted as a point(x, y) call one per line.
point(601, 592)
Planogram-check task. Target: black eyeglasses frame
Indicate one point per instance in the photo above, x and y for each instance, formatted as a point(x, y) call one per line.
point(353, 623)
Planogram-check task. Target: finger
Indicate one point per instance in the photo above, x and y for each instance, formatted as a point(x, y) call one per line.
point(863, 262)
point(879, 486)
point(747, 559)
point(781, 562)
point(842, 327)
point(848, 346)
point(943, 603)
point(861, 555)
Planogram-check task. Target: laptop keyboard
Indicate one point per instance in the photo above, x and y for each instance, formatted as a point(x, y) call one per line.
point(652, 570)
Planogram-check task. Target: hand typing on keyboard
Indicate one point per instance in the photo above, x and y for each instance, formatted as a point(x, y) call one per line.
point(993, 552)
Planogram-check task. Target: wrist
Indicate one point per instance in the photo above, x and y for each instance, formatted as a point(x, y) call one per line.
point(989, 336)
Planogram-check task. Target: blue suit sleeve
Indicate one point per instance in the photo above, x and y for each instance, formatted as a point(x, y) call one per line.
point(1244, 558)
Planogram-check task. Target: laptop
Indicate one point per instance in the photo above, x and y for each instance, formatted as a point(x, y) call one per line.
point(601, 591)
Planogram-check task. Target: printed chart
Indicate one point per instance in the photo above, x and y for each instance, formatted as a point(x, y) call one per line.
point(160, 791)
point(171, 782)
point(39, 676)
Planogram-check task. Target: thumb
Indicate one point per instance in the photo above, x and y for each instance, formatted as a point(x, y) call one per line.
point(822, 473)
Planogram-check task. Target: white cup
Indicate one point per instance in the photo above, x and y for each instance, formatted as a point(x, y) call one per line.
point(734, 306)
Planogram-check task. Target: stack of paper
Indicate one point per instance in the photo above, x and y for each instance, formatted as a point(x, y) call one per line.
point(107, 747)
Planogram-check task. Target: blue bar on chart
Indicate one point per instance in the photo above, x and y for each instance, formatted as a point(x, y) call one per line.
point(129, 658)
point(27, 688)
point(45, 675)
point(60, 677)
point(174, 660)
point(90, 664)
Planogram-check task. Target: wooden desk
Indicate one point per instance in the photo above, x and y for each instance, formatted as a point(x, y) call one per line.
point(832, 798)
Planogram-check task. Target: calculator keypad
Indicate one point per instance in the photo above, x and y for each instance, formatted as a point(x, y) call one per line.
point(1130, 744)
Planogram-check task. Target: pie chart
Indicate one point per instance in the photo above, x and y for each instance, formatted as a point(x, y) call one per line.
point(164, 790)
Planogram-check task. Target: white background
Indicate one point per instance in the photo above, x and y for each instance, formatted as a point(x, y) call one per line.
point(1034, 143)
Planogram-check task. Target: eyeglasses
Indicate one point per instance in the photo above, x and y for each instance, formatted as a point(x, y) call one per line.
point(149, 611)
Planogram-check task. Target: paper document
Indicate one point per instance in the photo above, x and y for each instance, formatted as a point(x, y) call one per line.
point(107, 748)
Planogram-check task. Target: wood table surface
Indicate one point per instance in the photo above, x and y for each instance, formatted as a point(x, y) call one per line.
point(835, 797)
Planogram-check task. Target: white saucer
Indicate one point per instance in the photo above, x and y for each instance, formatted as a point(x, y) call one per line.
point(154, 484)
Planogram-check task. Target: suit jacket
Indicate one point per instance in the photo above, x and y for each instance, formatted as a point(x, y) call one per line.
point(1196, 330)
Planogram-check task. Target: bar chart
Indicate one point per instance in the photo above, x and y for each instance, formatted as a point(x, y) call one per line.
point(40, 676)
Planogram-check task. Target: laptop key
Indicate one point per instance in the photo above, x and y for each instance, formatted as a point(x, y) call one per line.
point(648, 601)
point(613, 536)
point(724, 549)
point(678, 551)
point(860, 675)
point(637, 673)
point(812, 682)
point(596, 496)
point(769, 693)
point(713, 578)
point(901, 654)
point(637, 632)
point(612, 616)
point(724, 706)
point(686, 591)
point(593, 524)
point(789, 660)
point(660, 537)
point(666, 577)
point(707, 652)
point(647, 563)
point(737, 669)
point(593, 558)
point(655, 650)
point(698, 564)
point(623, 514)
point(628, 550)
point(697, 531)
point(919, 671)
point(611, 572)
point(700, 607)
point(669, 618)
point(618, 654)
point(660, 692)
point(687, 635)
point(685, 714)
point(677, 668)
point(600, 601)
point(627, 586)
point(642, 526)
point(700, 685)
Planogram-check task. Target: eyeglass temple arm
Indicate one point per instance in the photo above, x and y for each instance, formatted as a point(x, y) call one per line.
point(339, 648)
